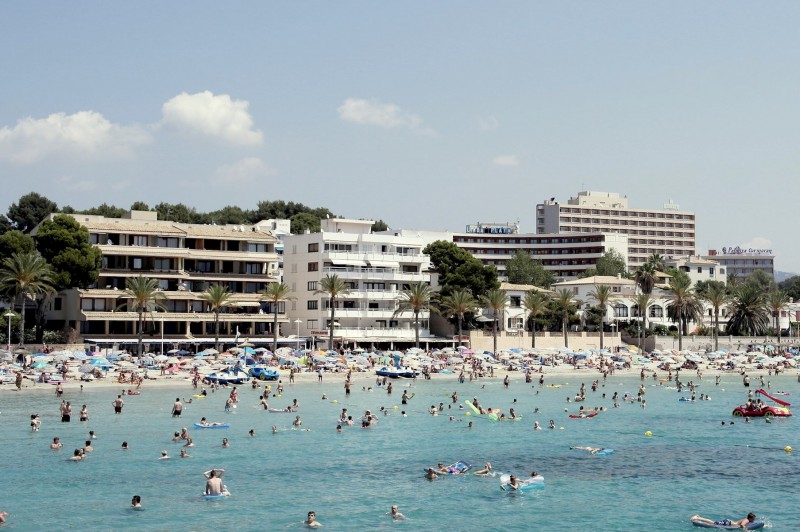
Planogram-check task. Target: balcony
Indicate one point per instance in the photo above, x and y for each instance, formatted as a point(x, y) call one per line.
point(379, 274)
point(123, 315)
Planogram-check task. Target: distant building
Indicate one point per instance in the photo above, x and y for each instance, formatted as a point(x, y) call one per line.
point(669, 231)
point(741, 262)
point(376, 267)
point(566, 255)
point(699, 268)
point(185, 259)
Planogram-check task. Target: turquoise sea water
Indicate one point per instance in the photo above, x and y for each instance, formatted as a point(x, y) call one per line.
point(691, 464)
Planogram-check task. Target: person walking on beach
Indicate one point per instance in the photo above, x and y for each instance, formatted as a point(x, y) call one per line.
point(177, 408)
point(117, 404)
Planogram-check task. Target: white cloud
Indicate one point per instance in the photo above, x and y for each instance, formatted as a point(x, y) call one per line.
point(506, 160)
point(214, 115)
point(386, 115)
point(243, 171)
point(490, 123)
point(85, 133)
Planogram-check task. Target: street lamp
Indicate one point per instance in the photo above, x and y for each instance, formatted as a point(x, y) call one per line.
point(297, 322)
point(8, 315)
point(162, 334)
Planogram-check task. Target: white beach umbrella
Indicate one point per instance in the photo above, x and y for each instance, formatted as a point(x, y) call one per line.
point(161, 358)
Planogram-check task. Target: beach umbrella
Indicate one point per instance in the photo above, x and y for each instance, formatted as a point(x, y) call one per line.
point(245, 344)
point(39, 365)
point(41, 357)
point(160, 358)
point(6, 356)
point(249, 350)
point(79, 355)
point(62, 357)
point(172, 351)
point(173, 360)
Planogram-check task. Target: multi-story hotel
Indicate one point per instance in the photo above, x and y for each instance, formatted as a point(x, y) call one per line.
point(669, 232)
point(185, 259)
point(566, 255)
point(376, 267)
point(741, 262)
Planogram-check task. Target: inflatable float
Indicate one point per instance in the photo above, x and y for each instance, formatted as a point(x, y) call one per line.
point(582, 416)
point(212, 426)
point(458, 468)
point(595, 451)
point(531, 483)
point(755, 525)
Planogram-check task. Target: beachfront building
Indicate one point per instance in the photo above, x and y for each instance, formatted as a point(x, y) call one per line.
point(566, 255)
point(699, 268)
point(511, 320)
point(742, 261)
point(185, 259)
point(669, 232)
point(377, 267)
point(622, 308)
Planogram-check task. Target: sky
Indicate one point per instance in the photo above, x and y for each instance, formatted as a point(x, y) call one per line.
point(428, 115)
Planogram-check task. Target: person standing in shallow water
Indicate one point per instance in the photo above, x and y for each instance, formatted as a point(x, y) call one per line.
point(177, 408)
point(117, 404)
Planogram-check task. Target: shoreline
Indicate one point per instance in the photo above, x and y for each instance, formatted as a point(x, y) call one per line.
point(361, 378)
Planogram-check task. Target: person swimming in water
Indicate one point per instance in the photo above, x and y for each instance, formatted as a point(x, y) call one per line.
point(741, 523)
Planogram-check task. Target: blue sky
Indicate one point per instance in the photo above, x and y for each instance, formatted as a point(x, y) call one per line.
point(428, 115)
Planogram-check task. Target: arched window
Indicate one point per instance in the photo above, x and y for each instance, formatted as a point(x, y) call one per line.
point(620, 311)
point(656, 311)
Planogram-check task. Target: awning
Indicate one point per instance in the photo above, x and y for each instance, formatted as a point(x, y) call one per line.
point(384, 264)
point(248, 304)
point(348, 262)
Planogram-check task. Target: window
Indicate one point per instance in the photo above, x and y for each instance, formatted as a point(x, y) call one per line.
point(164, 242)
point(137, 264)
point(311, 324)
point(656, 311)
point(699, 269)
point(253, 268)
point(57, 303)
point(620, 311)
point(163, 264)
point(313, 304)
point(514, 301)
point(313, 248)
point(312, 286)
point(205, 266)
point(257, 248)
point(138, 240)
point(313, 266)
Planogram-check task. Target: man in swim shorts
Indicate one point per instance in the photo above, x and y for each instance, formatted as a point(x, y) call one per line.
point(117, 404)
point(741, 523)
point(213, 484)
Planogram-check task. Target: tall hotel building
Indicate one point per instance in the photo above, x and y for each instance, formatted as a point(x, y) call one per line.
point(669, 232)
point(185, 259)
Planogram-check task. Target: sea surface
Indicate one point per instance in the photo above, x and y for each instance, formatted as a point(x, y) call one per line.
point(692, 463)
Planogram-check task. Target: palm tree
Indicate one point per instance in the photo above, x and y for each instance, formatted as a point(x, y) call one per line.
point(496, 300)
point(334, 287)
point(565, 307)
point(275, 293)
point(217, 297)
point(717, 296)
point(645, 277)
point(144, 295)
point(749, 314)
point(27, 275)
point(683, 306)
point(602, 294)
point(657, 261)
point(536, 303)
point(416, 299)
point(458, 303)
point(776, 301)
point(643, 302)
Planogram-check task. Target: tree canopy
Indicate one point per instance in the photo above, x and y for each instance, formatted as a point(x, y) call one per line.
point(15, 241)
point(457, 269)
point(31, 209)
point(523, 269)
point(64, 244)
point(791, 286)
point(611, 264)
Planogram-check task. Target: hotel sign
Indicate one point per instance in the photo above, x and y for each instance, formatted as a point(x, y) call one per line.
point(745, 251)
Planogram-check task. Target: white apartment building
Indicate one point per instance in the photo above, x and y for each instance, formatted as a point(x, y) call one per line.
point(741, 261)
point(699, 269)
point(513, 318)
point(185, 259)
point(376, 267)
point(669, 231)
point(566, 255)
